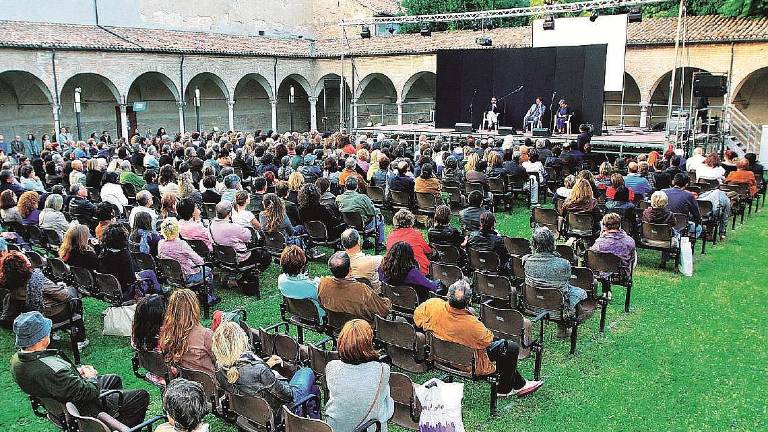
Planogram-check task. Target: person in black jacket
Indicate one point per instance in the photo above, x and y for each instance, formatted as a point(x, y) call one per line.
point(116, 260)
point(310, 209)
point(81, 208)
point(487, 239)
point(442, 232)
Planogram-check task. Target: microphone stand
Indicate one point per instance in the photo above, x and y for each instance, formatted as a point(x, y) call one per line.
point(504, 98)
point(471, 105)
point(551, 112)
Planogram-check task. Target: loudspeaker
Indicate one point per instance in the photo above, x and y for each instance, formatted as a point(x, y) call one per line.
point(464, 127)
point(710, 85)
point(541, 132)
point(506, 130)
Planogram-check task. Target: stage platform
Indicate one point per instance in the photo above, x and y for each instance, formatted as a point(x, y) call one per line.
point(616, 141)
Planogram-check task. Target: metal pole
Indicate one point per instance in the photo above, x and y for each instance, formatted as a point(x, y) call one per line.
point(290, 105)
point(674, 69)
point(197, 108)
point(77, 114)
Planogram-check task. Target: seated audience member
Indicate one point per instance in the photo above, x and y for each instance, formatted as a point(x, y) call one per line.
point(581, 200)
point(8, 182)
point(80, 207)
point(452, 321)
point(150, 185)
point(402, 181)
point(128, 176)
point(311, 208)
point(112, 192)
point(44, 373)
point(743, 175)
point(259, 188)
point(361, 265)
point(349, 171)
point(470, 216)
point(488, 240)
point(190, 223)
point(635, 181)
point(399, 267)
point(183, 340)
point(358, 384)
point(168, 205)
point(295, 183)
point(240, 214)
point(711, 169)
point(144, 202)
point(241, 371)
point(544, 268)
point(77, 175)
point(295, 282)
point(51, 217)
point(76, 249)
point(233, 184)
point(682, 201)
point(341, 293)
point(564, 191)
point(658, 213)
point(614, 240)
point(172, 247)
point(603, 178)
point(105, 215)
point(185, 405)
point(30, 181)
point(452, 173)
point(754, 166)
point(620, 203)
point(404, 231)
point(291, 209)
point(274, 219)
point(225, 233)
point(426, 182)
point(145, 330)
point(442, 232)
point(8, 207)
point(167, 180)
point(210, 193)
point(116, 259)
point(143, 238)
point(353, 202)
point(617, 181)
point(27, 205)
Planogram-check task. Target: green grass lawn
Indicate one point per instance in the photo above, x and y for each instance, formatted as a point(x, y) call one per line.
point(691, 356)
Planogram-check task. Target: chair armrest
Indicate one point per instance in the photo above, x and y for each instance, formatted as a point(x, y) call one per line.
point(103, 398)
point(364, 427)
point(112, 423)
point(540, 317)
point(322, 344)
point(277, 326)
point(145, 423)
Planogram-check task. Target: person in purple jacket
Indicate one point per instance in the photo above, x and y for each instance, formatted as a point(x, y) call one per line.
point(615, 241)
point(399, 267)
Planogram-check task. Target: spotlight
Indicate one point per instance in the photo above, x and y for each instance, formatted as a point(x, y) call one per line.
point(365, 32)
point(593, 17)
point(476, 26)
point(549, 23)
point(391, 29)
point(635, 14)
point(425, 30)
point(489, 25)
point(484, 41)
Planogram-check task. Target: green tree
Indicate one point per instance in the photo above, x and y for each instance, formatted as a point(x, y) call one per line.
point(744, 8)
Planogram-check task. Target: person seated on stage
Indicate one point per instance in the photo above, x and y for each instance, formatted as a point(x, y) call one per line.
point(534, 115)
point(44, 373)
point(341, 293)
point(185, 405)
point(452, 321)
point(490, 116)
point(562, 117)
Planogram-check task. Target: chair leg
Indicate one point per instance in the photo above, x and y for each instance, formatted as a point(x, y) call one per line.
point(704, 241)
point(574, 336)
point(494, 396)
point(300, 334)
point(603, 309)
point(73, 343)
point(629, 295)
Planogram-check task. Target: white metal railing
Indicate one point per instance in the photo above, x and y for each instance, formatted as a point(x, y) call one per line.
point(386, 113)
point(630, 114)
point(739, 126)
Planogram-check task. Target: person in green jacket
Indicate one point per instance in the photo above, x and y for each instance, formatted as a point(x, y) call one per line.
point(46, 373)
point(128, 176)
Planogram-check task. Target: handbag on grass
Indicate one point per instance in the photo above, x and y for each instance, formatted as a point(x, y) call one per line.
point(686, 257)
point(440, 406)
point(118, 320)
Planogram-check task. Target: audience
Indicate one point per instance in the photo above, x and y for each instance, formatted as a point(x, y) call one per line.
point(173, 248)
point(400, 267)
point(404, 231)
point(185, 405)
point(295, 282)
point(615, 241)
point(362, 266)
point(341, 293)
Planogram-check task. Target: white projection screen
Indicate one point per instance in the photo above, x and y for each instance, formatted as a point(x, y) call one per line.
point(606, 29)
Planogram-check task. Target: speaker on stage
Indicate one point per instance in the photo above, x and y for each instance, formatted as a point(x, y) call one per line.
point(506, 130)
point(541, 132)
point(710, 85)
point(464, 127)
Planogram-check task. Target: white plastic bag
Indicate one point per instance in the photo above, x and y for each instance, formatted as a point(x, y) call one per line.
point(686, 257)
point(440, 406)
point(118, 320)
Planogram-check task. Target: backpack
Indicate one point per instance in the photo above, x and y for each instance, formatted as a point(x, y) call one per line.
point(144, 241)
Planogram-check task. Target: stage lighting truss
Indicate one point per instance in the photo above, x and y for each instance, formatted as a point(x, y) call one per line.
point(547, 9)
point(549, 23)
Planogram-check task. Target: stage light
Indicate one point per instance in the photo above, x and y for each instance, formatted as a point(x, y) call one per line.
point(476, 26)
point(489, 25)
point(365, 32)
point(549, 23)
point(593, 17)
point(484, 41)
point(391, 29)
point(425, 29)
point(635, 14)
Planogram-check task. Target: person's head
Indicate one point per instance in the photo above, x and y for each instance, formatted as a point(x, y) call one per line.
point(633, 167)
point(542, 240)
point(150, 176)
point(487, 222)
point(612, 222)
point(169, 228)
point(111, 177)
point(115, 237)
point(209, 182)
point(232, 181)
point(581, 192)
point(28, 202)
point(185, 404)
point(712, 160)
point(32, 330)
point(105, 211)
point(259, 184)
point(475, 198)
point(7, 199)
point(223, 210)
point(459, 294)
point(149, 315)
point(398, 261)
point(698, 151)
point(355, 342)
point(26, 171)
point(242, 197)
point(75, 239)
point(426, 171)
point(751, 157)
point(274, 212)
point(142, 221)
point(569, 181)
point(182, 315)
point(15, 269)
point(309, 196)
point(617, 180)
point(339, 264)
point(293, 260)
point(681, 180)
point(228, 344)
point(54, 202)
point(185, 208)
point(621, 194)
point(742, 165)
point(442, 215)
point(351, 183)
point(403, 219)
point(350, 240)
point(350, 164)
point(659, 200)
point(295, 181)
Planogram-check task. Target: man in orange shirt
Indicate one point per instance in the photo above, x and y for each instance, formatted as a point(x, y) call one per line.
point(451, 321)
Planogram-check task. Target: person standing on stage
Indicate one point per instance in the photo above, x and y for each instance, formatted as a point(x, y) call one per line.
point(562, 117)
point(534, 115)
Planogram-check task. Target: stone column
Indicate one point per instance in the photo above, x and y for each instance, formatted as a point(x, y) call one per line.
point(354, 113)
point(643, 114)
point(231, 108)
point(180, 105)
point(399, 112)
point(273, 102)
point(124, 121)
point(56, 121)
point(313, 113)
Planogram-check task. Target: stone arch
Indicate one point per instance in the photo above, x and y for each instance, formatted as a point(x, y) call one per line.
point(660, 89)
point(99, 99)
point(327, 92)
point(418, 97)
point(379, 81)
point(214, 96)
point(426, 77)
point(299, 79)
point(299, 110)
point(751, 96)
point(632, 100)
point(203, 77)
point(161, 96)
point(85, 78)
point(252, 110)
point(25, 104)
point(376, 100)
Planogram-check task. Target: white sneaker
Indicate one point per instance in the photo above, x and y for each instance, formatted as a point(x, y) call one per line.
point(83, 344)
point(529, 388)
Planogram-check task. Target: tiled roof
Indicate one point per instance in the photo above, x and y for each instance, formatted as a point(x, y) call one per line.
point(89, 37)
point(382, 7)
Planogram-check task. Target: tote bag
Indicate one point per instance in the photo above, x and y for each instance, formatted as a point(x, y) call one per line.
point(118, 320)
point(686, 257)
point(440, 406)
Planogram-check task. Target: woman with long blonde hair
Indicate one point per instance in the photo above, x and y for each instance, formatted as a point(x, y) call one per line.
point(295, 182)
point(76, 250)
point(471, 162)
point(582, 200)
point(187, 189)
point(183, 341)
point(274, 218)
point(243, 372)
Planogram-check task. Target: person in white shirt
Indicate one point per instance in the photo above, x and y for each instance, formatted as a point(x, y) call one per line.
point(240, 215)
point(711, 169)
point(696, 160)
point(112, 192)
point(144, 200)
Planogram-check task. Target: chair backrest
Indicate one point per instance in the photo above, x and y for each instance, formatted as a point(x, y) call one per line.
point(494, 286)
point(336, 320)
point(274, 242)
point(448, 273)
point(52, 237)
point(86, 423)
point(398, 333)
point(454, 193)
point(448, 253)
point(705, 207)
point(537, 300)
point(505, 323)
point(34, 235)
point(35, 259)
point(656, 235)
point(83, 278)
point(172, 270)
point(54, 411)
point(376, 194)
point(580, 223)
point(319, 358)
point(566, 252)
point(603, 262)
point(294, 423)
point(484, 260)
point(400, 198)
point(225, 255)
point(144, 261)
point(426, 202)
point(407, 405)
point(354, 220)
point(681, 221)
point(559, 203)
point(517, 245)
point(518, 269)
point(303, 310)
point(404, 298)
point(206, 380)
point(279, 344)
point(152, 361)
point(317, 230)
point(470, 187)
point(451, 357)
point(108, 287)
point(209, 210)
point(546, 217)
point(199, 247)
point(583, 278)
point(253, 409)
point(497, 185)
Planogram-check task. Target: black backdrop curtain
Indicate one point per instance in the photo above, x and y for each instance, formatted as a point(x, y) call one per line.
point(576, 74)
